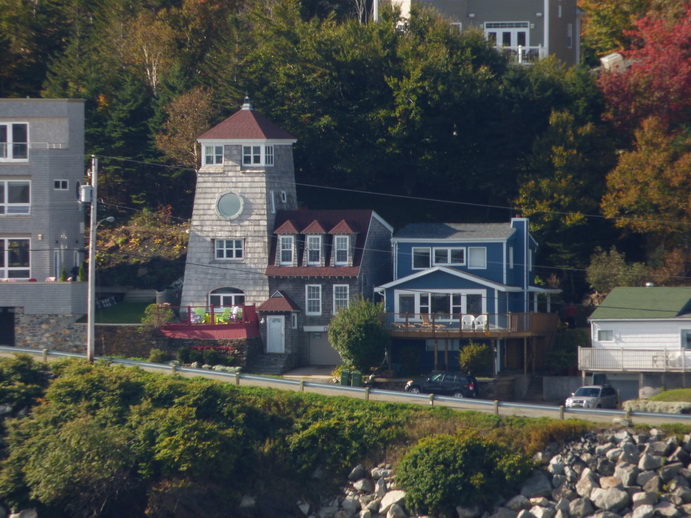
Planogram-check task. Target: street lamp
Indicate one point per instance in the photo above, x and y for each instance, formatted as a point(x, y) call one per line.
point(92, 262)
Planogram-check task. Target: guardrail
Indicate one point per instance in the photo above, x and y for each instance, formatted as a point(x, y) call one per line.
point(481, 405)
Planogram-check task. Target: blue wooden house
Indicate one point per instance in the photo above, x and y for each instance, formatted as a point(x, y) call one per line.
point(454, 283)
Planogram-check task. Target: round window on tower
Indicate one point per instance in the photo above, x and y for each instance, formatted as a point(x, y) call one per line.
point(229, 205)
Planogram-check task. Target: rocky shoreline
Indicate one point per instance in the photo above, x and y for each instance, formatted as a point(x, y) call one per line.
point(619, 473)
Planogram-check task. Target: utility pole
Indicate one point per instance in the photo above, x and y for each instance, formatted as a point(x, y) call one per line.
point(92, 263)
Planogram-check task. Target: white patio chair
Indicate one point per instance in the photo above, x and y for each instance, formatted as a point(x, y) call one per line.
point(481, 323)
point(467, 322)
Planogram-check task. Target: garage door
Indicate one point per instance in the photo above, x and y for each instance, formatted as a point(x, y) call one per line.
point(321, 352)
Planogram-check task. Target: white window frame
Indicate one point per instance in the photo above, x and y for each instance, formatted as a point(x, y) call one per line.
point(511, 258)
point(229, 249)
point(273, 202)
point(512, 27)
point(258, 155)
point(8, 208)
point(226, 299)
point(685, 336)
point(13, 272)
point(448, 261)
point(284, 197)
point(420, 249)
point(8, 145)
point(285, 244)
point(470, 260)
point(341, 246)
point(213, 154)
point(341, 300)
point(294, 320)
point(313, 299)
point(605, 335)
point(458, 26)
point(423, 300)
point(60, 184)
point(313, 249)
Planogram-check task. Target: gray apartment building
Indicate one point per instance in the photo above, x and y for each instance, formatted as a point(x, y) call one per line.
point(41, 222)
point(527, 30)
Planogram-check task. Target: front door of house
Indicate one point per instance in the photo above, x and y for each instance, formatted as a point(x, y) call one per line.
point(275, 335)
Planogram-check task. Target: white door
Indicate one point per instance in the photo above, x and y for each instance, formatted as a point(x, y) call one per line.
point(275, 335)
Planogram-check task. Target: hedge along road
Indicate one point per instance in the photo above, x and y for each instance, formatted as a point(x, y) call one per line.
point(389, 396)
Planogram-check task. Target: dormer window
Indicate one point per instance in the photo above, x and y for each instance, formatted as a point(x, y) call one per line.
point(314, 250)
point(341, 247)
point(213, 155)
point(285, 257)
point(257, 156)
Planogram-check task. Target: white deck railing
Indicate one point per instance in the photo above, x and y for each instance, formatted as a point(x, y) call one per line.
point(620, 359)
point(523, 54)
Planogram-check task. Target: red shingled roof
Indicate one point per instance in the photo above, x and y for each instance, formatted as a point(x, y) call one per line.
point(313, 228)
point(278, 302)
point(246, 124)
point(342, 228)
point(287, 228)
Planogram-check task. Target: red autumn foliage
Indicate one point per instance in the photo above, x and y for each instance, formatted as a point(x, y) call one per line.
point(658, 81)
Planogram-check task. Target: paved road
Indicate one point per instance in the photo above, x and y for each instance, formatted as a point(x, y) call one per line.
point(329, 389)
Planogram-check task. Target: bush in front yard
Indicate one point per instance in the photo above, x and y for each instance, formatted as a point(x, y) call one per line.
point(443, 471)
point(476, 359)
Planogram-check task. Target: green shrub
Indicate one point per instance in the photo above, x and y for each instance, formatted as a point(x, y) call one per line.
point(444, 471)
point(196, 356)
point(183, 355)
point(476, 359)
point(211, 357)
point(158, 356)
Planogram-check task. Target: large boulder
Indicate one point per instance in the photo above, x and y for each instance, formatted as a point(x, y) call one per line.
point(612, 499)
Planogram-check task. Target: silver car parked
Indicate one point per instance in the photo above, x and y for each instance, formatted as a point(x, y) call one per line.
point(594, 396)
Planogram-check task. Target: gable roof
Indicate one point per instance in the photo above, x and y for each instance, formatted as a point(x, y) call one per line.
point(279, 301)
point(313, 228)
point(454, 273)
point(629, 303)
point(471, 231)
point(246, 124)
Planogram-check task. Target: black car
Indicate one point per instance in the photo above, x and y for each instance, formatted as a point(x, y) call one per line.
point(454, 384)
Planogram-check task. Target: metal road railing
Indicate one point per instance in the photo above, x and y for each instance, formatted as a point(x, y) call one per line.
point(302, 385)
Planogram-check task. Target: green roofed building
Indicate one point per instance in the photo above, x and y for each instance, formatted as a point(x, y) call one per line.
point(643, 336)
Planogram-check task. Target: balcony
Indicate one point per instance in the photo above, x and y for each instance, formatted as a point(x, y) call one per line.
point(621, 359)
point(444, 325)
point(523, 55)
point(212, 323)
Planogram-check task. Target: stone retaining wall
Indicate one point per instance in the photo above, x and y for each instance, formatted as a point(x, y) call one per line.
point(55, 332)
